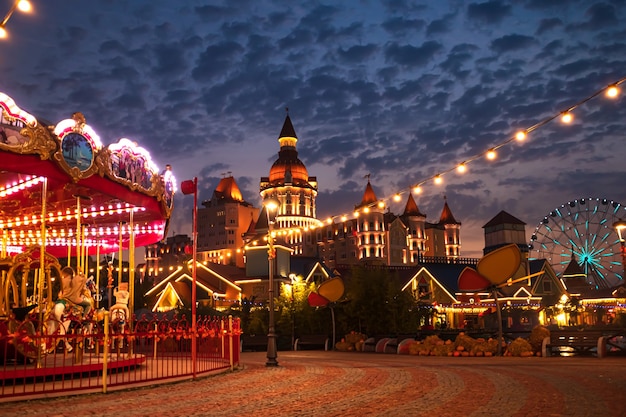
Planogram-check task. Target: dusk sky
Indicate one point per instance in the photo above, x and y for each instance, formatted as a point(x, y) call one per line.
point(401, 90)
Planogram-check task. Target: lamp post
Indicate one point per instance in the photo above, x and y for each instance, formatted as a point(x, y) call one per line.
point(620, 227)
point(191, 187)
point(271, 205)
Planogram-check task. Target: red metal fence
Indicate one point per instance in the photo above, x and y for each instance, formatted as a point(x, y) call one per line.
point(95, 357)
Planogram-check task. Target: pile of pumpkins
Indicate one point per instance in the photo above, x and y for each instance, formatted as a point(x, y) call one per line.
point(465, 346)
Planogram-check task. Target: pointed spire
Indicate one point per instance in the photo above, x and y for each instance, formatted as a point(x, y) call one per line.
point(261, 222)
point(446, 214)
point(369, 197)
point(411, 208)
point(287, 131)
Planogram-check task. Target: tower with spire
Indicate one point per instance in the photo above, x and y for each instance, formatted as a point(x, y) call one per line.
point(415, 222)
point(370, 226)
point(451, 231)
point(290, 185)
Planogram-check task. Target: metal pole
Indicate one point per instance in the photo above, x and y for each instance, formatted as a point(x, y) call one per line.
point(271, 336)
point(194, 328)
point(131, 275)
point(105, 358)
point(42, 251)
point(499, 314)
point(77, 234)
point(98, 273)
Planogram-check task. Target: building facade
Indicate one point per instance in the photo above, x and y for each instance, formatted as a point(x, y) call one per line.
point(222, 222)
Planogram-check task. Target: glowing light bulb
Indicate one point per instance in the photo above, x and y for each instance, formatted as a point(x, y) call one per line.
point(329, 220)
point(438, 180)
point(24, 6)
point(397, 198)
point(344, 218)
point(491, 154)
point(381, 204)
point(521, 135)
point(567, 117)
point(366, 210)
point(3, 32)
point(417, 189)
point(612, 91)
point(461, 168)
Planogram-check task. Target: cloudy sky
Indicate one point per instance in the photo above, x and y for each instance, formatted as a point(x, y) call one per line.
point(401, 90)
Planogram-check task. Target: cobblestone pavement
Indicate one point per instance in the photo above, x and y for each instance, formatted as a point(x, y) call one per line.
point(314, 383)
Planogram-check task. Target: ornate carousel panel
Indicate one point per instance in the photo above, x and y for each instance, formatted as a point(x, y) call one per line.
point(62, 189)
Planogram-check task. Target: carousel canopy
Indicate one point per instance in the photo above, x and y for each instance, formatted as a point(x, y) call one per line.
point(62, 183)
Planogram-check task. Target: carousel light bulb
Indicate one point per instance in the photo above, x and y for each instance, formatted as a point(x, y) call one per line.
point(567, 117)
point(438, 180)
point(491, 154)
point(344, 218)
point(461, 168)
point(366, 210)
point(329, 220)
point(612, 91)
point(521, 135)
point(381, 204)
point(397, 197)
point(3, 32)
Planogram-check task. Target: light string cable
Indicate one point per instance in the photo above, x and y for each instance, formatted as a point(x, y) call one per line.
point(611, 91)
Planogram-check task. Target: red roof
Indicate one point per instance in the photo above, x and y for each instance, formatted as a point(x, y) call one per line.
point(228, 189)
point(411, 208)
point(369, 197)
point(446, 215)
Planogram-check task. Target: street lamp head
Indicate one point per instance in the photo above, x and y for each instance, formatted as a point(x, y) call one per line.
point(270, 204)
point(620, 227)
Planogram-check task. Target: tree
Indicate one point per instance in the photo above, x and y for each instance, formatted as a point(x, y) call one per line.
point(377, 305)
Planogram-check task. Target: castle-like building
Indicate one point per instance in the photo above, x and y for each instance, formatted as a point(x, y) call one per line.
point(291, 187)
point(227, 222)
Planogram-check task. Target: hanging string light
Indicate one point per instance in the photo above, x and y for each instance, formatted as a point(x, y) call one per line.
point(611, 91)
point(21, 5)
point(567, 117)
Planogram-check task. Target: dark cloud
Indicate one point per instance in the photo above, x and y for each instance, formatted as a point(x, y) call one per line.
point(548, 24)
point(412, 56)
point(553, 4)
point(170, 60)
point(400, 26)
point(216, 59)
point(488, 12)
point(438, 27)
point(297, 38)
point(210, 13)
point(357, 53)
point(512, 42)
point(397, 89)
point(600, 15)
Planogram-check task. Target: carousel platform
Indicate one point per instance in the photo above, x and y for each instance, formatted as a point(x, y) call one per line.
point(58, 366)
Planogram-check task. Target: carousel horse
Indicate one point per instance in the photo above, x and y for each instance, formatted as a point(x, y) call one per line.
point(68, 315)
point(119, 311)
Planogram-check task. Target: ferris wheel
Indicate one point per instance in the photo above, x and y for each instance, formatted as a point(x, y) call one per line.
point(582, 230)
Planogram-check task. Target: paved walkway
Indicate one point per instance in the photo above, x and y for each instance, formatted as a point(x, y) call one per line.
point(317, 383)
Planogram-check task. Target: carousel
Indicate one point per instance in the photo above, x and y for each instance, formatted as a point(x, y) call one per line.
point(66, 200)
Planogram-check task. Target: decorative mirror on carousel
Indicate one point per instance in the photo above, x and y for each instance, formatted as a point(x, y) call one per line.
point(78, 147)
